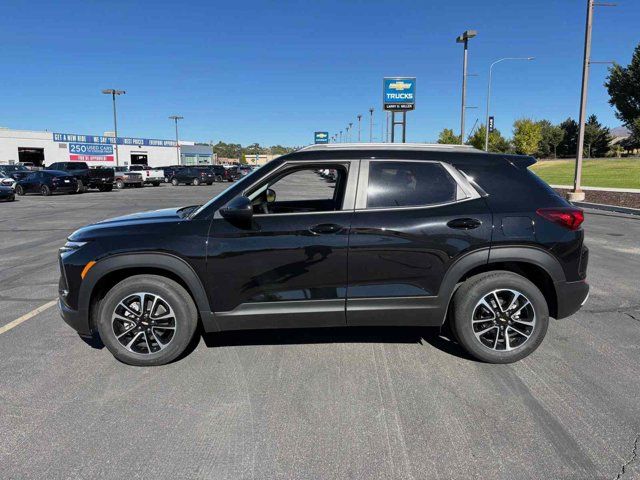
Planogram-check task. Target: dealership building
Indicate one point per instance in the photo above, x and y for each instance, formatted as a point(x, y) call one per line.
point(45, 148)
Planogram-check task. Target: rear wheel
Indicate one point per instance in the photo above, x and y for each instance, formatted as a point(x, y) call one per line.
point(147, 320)
point(156, 184)
point(19, 190)
point(196, 182)
point(218, 178)
point(174, 182)
point(499, 317)
point(80, 187)
point(105, 188)
point(45, 190)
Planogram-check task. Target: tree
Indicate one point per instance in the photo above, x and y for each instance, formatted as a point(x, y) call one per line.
point(527, 135)
point(596, 138)
point(623, 85)
point(497, 143)
point(447, 136)
point(569, 143)
point(552, 135)
point(227, 150)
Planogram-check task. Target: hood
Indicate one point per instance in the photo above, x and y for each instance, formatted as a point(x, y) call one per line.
point(130, 223)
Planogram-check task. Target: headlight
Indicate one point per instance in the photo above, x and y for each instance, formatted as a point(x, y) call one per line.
point(70, 246)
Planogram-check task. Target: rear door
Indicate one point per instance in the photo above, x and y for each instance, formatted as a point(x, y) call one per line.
point(413, 220)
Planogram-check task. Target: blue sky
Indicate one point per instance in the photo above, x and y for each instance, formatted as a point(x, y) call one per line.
point(273, 72)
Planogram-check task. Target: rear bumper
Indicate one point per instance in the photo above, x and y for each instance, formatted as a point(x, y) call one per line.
point(571, 297)
point(75, 319)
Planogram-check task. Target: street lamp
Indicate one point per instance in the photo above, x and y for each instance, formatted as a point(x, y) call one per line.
point(175, 118)
point(349, 129)
point(113, 93)
point(371, 125)
point(464, 39)
point(486, 135)
point(359, 127)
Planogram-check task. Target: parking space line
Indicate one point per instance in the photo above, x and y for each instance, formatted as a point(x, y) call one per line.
point(27, 316)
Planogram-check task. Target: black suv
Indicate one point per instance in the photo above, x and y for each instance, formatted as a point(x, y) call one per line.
point(417, 235)
point(192, 176)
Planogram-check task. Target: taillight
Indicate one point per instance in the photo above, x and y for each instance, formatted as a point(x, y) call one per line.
point(567, 217)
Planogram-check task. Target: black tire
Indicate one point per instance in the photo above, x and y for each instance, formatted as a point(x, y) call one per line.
point(196, 182)
point(209, 183)
point(45, 191)
point(105, 188)
point(466, 302)
point(80, 187)
point(156, 184)
point(179, 300)
point(120, 184)
point(219, 178)
point(19, 190)
point(175, 182)
point(139, 185)
point(166, 179)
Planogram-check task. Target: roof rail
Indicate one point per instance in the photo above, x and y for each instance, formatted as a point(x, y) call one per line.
point(387, 146)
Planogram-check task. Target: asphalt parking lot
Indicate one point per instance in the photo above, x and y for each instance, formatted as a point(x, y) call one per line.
point(333, 403)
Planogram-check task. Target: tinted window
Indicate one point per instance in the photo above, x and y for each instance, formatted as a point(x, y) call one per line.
point(406, 184)
point(308, 184)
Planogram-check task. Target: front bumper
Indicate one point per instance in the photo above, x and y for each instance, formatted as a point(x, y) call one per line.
point(75, 319)
point(571, 297)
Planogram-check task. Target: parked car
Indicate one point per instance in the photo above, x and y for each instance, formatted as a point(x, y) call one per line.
point(7, 181)
point(7, 194)
point(100, 178)
point(170, 171)
point(47, 182)
point(123, 177)
point(150, 175)
point(218, 171)
point(192, 176)
point(16, 172)
point(232, 173)
point(419, 235)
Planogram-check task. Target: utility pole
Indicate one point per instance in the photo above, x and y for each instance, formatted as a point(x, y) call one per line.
point(175, 118)
point(350, 129)
point(464, 39)
point(113, 94)
point(577, 195)
point(359, 127)
point(371, 125)
point(386, 137)
point(340, 136)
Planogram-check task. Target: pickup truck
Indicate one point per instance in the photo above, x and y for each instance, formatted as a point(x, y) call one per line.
point(98, 177)
point(126, 178)
point(149, 175)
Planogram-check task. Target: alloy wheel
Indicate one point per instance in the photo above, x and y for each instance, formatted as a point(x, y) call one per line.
point(503, 320)
point(144, 323)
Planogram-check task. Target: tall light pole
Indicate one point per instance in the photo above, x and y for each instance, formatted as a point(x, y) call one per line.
point(464, 39)
point(371, 125)
point(340, 136)
point(577, 194)
point(350, 130)
point(486, 124)
point(113, 92)
point(175, 118)
point(359, 128)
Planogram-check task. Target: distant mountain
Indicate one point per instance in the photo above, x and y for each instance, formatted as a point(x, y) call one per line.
point(621, 131)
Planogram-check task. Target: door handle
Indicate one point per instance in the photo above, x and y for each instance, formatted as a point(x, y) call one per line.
point(464, 223)
point(326, 228)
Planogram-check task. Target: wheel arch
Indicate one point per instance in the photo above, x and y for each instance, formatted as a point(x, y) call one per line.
point(111, 270)
point(537, 265)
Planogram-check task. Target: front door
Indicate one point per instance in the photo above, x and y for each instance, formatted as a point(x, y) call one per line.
point(288, 267)
point(413, 220)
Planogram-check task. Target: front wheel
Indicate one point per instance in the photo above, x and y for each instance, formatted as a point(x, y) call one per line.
point(80, 187)
point(196, 182)
point(499, 317)
point(45, 190)
point(120, 184)
point(147, 320)
point(156, 184)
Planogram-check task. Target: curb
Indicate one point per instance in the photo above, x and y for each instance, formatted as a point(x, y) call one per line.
point(608, 208)
point(599, 189)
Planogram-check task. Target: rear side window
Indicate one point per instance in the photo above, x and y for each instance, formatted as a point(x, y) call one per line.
point(409, 184)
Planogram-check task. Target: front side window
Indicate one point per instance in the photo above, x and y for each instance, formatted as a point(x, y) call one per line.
point(302, 189)
point(409, 184)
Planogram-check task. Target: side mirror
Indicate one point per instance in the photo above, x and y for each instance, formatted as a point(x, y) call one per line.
point(270, 195)
point(239, 209)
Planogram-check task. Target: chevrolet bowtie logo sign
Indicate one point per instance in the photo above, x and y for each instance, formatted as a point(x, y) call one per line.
point(399, 93)
point(400, 86)
point(321, 137)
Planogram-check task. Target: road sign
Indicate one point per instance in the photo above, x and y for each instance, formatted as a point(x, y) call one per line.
point(491, 125)
point(399, 93)
point(321, 137)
